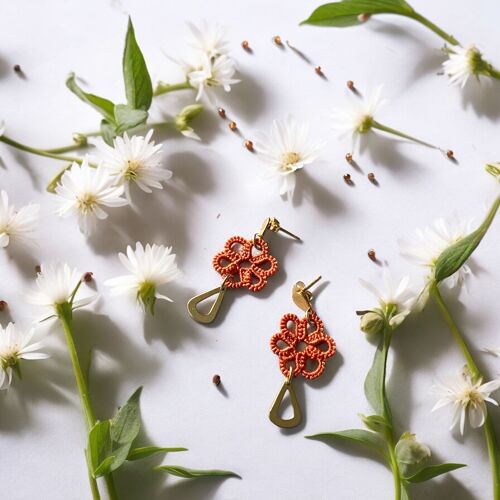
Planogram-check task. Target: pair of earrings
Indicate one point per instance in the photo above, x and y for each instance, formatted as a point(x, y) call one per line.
point(302, 345)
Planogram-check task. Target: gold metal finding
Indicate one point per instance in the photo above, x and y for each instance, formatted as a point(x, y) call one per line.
point(302, 296)
point(274, 413)
point(212, 313)
point(272, 224)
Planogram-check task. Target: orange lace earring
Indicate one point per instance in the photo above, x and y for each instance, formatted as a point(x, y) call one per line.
point(242, 264)
point(299, 342)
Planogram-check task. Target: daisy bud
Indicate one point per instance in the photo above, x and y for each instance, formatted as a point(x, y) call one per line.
point(80, 139)
point(409, 452)
point(146, 295)
point(372, 323)
point(493, 169)
point(183, 119)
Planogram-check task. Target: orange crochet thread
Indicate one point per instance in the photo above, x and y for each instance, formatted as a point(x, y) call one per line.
point(245, 263)
point(317, 345)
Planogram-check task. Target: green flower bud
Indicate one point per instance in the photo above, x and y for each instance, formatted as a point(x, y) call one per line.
point(372, 323)
point(493, 169)
point(184, 117)
point(410, 453)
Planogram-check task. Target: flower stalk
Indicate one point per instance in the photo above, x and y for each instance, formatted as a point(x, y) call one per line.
point(65, 314)
point(383, 128)
point(489, 431)
point(164, 88)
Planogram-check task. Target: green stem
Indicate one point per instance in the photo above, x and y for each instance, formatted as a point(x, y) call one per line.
point(393, 462)
point(39, 152)
point(163, 88)
point(436, 29)
point(65, 315)
point(65, 149)
point(389, 130)
point(489, 431)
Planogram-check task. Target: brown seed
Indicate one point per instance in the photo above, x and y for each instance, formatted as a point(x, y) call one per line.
point(348, 157)
point(38, 269)
point(364, 17)
point(216, 380)
point(222, 112)
point(17, 68)
point(233, 126)
point(249, 145)
point(371, 177)
point(245, 44)
point(372, 255)
point(88, 277)
point(450, 154)
point(3, 305)
point(277, 40)
point(350, 84)
point(347, 179)
point(318, 70)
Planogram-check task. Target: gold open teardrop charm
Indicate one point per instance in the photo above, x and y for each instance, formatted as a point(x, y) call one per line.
point(212, 313)
point(274, 413)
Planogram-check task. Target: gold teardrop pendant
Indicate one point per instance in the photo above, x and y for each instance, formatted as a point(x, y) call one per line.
point(274, 413)
point(212, 313)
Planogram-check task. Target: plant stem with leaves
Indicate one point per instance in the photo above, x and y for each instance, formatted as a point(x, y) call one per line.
point(489, 431)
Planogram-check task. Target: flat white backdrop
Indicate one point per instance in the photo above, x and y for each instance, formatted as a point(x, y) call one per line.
point(215, 193)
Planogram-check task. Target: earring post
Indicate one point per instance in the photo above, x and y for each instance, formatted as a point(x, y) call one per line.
point(311, 284)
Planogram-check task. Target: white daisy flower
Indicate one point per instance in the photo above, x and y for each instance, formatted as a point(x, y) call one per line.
point(16, 226)
point(83, 191)
point(15, 345)
point(430, 242)
point(209, 39)
point(55, 285)
point(149, 268)
point(462, 63)
point(134, 160)
point(287, 149)
point(467, 398)
point(208, 74)
point(358, 117)
point(396, 299)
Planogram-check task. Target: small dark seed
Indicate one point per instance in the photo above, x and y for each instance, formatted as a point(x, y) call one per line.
point(371, 255)
point(449, 153)
point(88, 277)
point(318, 70)
point(350, 84)
point(3, 305)
point(249, 145)
point(245, 44)
point(17, 68)
point(348, 157)
point(277, 40)
point(364, 17)
point(233, 126)
point(222, 112)
point(38, 269)
point(216, 380)
point(347, 178)
point(371, 177)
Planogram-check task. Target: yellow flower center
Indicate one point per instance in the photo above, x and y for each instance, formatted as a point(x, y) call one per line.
point(290, 159)
point(471, 397)
point(86, 203)
point(132, 170)
point(9, 357)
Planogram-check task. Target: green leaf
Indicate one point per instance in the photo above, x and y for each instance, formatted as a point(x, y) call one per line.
point(345, 13)
point(432, 471)
point(375, 379)
point(102, 105)
point(104, 467)
point(359, 436)
point(455, 256)
point(147, 451)
point(108, 132)
point(126, 424)
point(127, 117)
point(376, 423)
point(99, 445)
point(177, 470)
point(138, 87)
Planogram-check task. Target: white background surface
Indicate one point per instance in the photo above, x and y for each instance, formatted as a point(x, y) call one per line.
point(41, 429)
